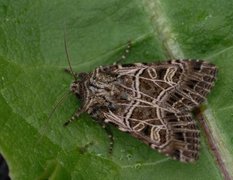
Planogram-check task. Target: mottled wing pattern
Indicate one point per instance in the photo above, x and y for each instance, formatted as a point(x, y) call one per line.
point(153, 102)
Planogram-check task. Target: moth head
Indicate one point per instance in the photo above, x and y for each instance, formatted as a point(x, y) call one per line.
point(75, 87)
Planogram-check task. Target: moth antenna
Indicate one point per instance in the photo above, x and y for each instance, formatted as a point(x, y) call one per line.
point(68, 57)
point(64, 96)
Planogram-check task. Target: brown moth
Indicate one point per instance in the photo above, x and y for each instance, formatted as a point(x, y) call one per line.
point(152, 102)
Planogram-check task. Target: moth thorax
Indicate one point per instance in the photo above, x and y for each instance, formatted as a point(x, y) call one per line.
point(74, 87)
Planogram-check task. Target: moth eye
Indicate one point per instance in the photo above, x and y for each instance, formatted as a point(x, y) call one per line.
point(74, 87)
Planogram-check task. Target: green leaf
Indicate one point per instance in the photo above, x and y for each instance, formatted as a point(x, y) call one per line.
point(32, 59)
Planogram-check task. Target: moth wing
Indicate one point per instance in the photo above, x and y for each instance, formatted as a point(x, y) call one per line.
point(160, 98)
point(177, 136)
point(194, 80)
point(173, 133)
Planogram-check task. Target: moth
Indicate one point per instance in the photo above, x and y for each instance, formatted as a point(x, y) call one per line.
point(151, 101)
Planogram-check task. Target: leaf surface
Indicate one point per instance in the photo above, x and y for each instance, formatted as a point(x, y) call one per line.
point(32, 80)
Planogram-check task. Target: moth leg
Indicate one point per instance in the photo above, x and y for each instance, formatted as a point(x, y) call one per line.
point(110, 136)
point(125, 53)
point(73, 117)
point(105, 126)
